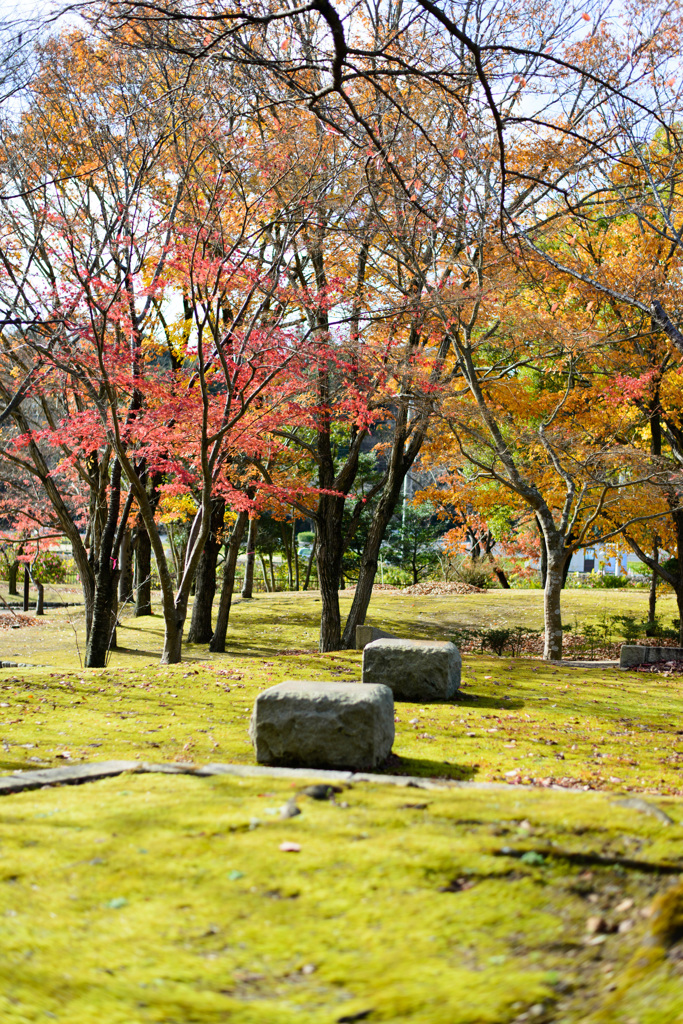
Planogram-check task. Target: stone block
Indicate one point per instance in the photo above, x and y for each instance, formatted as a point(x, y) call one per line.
point(416, 670)
point(366, 634)
point(640, 654)
point(323, 725)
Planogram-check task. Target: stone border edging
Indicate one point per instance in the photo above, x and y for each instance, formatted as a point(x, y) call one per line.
point(633, 655)
point(80, 773)
point(74, 775)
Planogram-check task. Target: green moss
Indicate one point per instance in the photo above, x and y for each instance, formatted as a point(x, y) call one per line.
point(162, 899)
point(667, 918)
point(156, 900)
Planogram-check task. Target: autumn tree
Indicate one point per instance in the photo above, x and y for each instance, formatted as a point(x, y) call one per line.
point(152, 213)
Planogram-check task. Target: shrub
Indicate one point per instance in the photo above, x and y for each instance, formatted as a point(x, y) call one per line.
point(49, 567)
point(496, 639)
point(631, 629)
point(476, 574)
point(613, 582)
point(658, 629)
point(393, 576)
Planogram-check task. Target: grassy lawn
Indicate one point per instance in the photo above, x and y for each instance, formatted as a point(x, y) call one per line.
point(167, 899)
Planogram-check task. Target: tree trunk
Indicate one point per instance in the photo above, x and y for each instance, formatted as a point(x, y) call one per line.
point(370, 558)
point(27, 578)
point(126, 568)
point(39, 599)
point(288, 553)
point(329, 557)
point(143, 572)
point(273, 587)
point(544, 554)
point(652, 604)
point(264, 570)
point(205, 589)
point(310, 563)
point(217, 644)
point(105, 608)
point(13, 574)
point(501, 577)
point(248, 584)
point(552, 599)
point(173, 637)
point(679, 603)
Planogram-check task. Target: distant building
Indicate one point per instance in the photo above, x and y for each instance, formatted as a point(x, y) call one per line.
point(609, 560)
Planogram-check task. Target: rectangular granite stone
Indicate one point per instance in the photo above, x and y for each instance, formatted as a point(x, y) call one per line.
point(419, 671)
point(323, 725)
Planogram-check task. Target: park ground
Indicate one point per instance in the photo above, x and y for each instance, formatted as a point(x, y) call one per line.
point(551, 896)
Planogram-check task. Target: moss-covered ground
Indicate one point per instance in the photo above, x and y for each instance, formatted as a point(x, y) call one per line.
point(595, 727)
point(167, 899)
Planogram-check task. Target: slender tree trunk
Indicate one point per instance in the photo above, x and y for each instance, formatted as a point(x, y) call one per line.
point(143, 572)
point(13, 574)
point(126, 568)
point(652, 604)
point(386, 507)
point(248, 585)
point(217, 644)
point(677, 516)
point(205, 589)
point(264, 570)
point(295, 549)
point(40, 599)
point(501, 577)
point(544, 554)
point(173, 635)
point(27, 578)
point(178, 544)
point(552, 600)
point(679, 602)
point(310, 563)
point(103, 627)
point(329, 557)
point(288, 553)
point(272, 572)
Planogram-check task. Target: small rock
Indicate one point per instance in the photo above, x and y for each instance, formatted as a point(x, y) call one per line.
point(596, 925)
point(290, 848)
point(321, 791)
point(624, 905)
point(290, 809)
point(625, 926)
point(308, 969)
